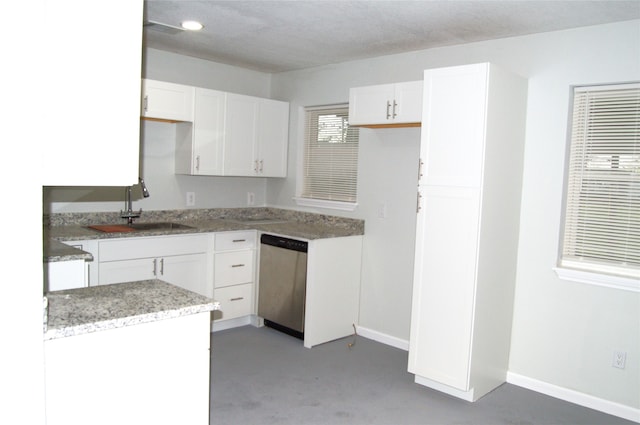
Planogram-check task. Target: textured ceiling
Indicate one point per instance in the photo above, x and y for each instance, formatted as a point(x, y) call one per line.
point(273, 36)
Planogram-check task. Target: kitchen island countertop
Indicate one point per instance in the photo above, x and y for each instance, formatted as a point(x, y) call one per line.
point(97, 308)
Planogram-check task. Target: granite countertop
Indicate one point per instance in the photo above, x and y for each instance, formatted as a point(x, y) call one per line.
point(58, 251)
point(288, 223)
point(97, 308)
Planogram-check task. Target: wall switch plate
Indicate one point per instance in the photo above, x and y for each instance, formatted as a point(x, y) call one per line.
point(382, 210)
point(619, 359)
point(191, 199)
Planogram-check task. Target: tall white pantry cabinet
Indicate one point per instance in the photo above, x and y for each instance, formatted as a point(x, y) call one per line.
point(468, 211)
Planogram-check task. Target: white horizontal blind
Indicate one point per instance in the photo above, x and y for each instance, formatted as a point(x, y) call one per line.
point(602, 216)
point(331, 156)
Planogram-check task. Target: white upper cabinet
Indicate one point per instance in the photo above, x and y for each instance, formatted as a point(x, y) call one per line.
point(256, 137)
point(240, 124)
point(167, 101)
point(233, 135)
point(273, 136)
point(386, 105)
point(199, 146)
point(92, 99)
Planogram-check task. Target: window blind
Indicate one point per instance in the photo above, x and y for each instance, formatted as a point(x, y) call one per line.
point(331, 156)
point(602, 212)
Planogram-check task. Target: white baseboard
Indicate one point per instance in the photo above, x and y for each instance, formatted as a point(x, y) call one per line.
point(221, 325)
point(582, 399)
point(571, 396)
point(402, 344)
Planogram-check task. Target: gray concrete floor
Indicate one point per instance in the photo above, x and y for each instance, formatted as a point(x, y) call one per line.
point(261, 376)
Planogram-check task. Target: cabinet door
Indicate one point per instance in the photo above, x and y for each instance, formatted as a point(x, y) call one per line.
point(167, 101)
point(444, 285)
point(453, 138)
point(91, 105)
point(273, 137)
point(371, 104)
point(408, 98)
point(240, 149)
point(127, 270)
point(188, 272)
point(208, 132)
point(61, 275)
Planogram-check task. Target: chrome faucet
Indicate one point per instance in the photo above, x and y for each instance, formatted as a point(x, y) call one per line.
point(128, 212)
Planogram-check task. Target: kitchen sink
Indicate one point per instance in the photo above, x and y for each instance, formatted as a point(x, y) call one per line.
point(117, 228)
point(159, 226)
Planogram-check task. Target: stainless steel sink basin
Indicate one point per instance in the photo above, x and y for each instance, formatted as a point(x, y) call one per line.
point(119, 228)
point(159, 226)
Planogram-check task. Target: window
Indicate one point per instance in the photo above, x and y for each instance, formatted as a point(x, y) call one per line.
point(601, 238)
point(330, 159)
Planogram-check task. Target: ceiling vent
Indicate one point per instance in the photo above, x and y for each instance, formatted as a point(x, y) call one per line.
point(160, 27)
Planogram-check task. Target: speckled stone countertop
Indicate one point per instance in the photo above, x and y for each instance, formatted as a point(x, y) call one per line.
point(98, 308)
point(289, 223)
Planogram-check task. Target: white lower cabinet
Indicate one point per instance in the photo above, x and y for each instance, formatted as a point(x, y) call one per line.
point(235, 301)
point(151, 373)
point(234, 277)
point(184, 261)
point(61, 275)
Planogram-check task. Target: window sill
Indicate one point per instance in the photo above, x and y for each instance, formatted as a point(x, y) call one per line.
point(321, 203)
point(599, 279)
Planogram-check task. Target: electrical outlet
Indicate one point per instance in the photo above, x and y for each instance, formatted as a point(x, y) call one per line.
point(191, 199)
point(251, 198)
point(619, 359)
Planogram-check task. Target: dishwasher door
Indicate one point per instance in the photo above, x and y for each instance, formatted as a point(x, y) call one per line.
point(283, 280)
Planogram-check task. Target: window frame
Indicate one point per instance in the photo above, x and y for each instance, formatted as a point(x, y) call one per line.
point(570, 268)
point(301, 200)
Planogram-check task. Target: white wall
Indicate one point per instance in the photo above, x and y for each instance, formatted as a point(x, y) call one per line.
point(564, 333)
point(168, 190)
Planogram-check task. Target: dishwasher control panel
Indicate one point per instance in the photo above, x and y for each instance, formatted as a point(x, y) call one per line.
point(285, 243)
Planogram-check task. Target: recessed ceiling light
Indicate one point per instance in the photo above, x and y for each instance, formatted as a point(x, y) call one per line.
point(192, 25)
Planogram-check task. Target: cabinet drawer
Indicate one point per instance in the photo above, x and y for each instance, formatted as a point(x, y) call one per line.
point(230, 241)
point(156, 246)
point(233, 268)
point(235, 301)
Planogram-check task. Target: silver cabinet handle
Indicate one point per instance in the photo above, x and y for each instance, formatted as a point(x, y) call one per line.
point(162, 267)
point(146, 103)
point(239, 240)
point(255, 165)
point(237, 265)
point(155, 267)
point(419, 198)
point(394, 109)
point(237, 299)
point(420, 164)
point(198, 163)
point(388, 107)
point(261, 165)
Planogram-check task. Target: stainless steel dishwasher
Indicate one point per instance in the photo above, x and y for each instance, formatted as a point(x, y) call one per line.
point(283, 281)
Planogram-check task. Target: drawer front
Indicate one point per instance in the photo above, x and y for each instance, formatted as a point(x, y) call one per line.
point(235, 301)
point(229, 241)
point(155, 246)
point(233, 268)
